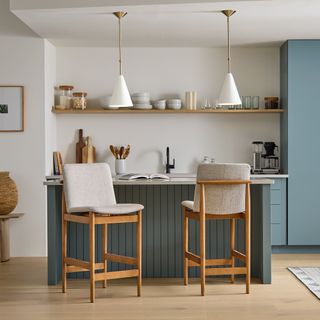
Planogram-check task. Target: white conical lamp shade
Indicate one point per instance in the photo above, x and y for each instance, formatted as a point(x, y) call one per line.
point(120, 97)
point(229, 94)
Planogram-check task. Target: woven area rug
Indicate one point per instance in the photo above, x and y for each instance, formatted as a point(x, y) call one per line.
point(310, 277)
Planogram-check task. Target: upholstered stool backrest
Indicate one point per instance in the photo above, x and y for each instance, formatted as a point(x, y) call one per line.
point(87, 185)
point(222, 199)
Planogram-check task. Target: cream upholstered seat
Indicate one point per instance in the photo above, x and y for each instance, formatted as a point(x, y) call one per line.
point(222, 192)
point(119, 208)
point(188, 204)
point(221, 199)
point(88, 187)
point(89, 198)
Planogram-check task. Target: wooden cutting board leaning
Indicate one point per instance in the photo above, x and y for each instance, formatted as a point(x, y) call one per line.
point(79, 145)
point(85, 151)
point(89, 152)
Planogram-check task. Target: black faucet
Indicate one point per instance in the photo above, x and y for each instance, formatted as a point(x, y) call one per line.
point(168, 165)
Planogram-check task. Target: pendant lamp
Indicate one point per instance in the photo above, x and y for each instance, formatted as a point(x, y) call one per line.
point(121, 96)
point(229, 94)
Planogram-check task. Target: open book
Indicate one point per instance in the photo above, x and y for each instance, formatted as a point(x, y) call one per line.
point(137, 176)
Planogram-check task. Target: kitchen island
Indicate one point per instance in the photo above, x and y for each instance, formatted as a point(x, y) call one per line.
point(162, 229)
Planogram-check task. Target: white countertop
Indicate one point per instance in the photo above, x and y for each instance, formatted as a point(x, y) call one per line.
point(176, 179)
point(269, 176)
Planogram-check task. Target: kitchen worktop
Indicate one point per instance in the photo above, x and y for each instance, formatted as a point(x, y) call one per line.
point(180, 179)
point(269, 176)
point(176, 181)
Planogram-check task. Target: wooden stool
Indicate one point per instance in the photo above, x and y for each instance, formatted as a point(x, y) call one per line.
point(89, 198)
point(222, 192)
point(5, 236)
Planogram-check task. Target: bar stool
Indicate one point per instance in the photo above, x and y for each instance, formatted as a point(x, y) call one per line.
point(89, 198)
point(222, 192)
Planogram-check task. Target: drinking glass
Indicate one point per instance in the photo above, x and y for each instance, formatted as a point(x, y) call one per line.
point(255, 102)
point(206, 104)
point(246, 102)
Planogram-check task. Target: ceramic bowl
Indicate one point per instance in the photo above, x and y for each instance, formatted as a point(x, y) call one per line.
point(138, 100)
point(160, 104)
point(174, 101)
point(141, 94)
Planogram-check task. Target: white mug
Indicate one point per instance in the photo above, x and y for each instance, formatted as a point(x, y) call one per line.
point(120, 166)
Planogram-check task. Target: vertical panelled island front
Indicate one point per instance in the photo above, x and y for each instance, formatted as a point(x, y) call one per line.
point(162, 230)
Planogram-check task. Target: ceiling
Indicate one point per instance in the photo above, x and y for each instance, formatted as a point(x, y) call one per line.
point(170, 23)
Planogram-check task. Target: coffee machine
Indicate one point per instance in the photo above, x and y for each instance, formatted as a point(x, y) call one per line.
point(271, 161)
point(266, 161)
point(257, 147)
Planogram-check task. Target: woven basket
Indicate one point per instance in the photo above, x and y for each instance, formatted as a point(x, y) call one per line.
point(8, 193)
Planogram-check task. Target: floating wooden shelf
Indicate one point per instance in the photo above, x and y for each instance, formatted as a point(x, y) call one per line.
point(166, 111)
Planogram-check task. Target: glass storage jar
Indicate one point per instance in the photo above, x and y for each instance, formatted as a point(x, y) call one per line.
point(65, 98)
point(79, 100)
point(271, 102)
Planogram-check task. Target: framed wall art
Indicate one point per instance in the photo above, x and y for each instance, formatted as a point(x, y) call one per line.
point(11, 108)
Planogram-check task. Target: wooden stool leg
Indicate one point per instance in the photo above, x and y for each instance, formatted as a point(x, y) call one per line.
point(185, 248)
point(139, 252)
point(202, 241)
point(0, 242)
point(104, 251)
point(232, 243)
point(202, 255)
point(92, 256)
point(4, 240)
point(248, 239)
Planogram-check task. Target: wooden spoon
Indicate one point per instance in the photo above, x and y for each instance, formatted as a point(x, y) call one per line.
point(121, 152)
point(126, 152)
point(112, 150)
point(117, 152)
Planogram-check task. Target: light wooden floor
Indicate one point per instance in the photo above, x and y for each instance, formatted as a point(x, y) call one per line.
point(25, 295)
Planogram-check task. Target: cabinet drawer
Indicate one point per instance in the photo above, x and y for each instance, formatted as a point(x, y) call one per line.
point(276, 185)
point(276, 213)
point(276, 197)
point(276, 234)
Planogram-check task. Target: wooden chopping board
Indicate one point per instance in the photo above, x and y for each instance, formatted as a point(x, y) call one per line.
point(79, 145)
point(89, 152)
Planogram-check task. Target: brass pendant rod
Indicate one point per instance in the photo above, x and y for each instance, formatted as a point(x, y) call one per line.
point(229, 51)
point(228, 13)
point(120, 15)
point(120, 52)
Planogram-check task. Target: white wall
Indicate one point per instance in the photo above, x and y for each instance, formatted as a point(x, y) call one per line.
point(23, 154)
point(50, 118)
point(169, 72)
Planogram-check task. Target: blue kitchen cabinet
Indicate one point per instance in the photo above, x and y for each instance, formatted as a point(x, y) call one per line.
point(278, 200)
point(300, 136)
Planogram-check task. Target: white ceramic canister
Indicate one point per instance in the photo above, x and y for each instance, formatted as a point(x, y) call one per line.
point(120, 166)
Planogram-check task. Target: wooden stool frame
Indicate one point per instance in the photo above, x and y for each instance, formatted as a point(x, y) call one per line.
point(70, 265)
point(192, 260)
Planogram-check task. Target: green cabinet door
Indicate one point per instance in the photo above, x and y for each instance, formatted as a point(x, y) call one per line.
point(300, 136)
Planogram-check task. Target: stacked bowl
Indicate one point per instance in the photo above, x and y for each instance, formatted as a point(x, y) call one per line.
point(174, 104)
point(160, 104)
point(141, 100)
